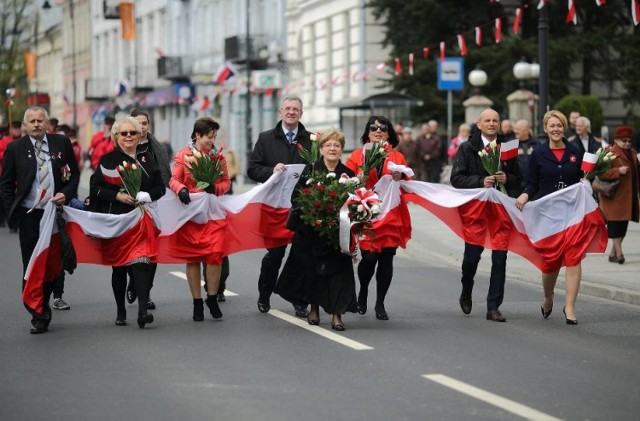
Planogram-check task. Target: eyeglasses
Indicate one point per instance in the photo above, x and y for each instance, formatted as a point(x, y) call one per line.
point(128, 133)
point(374, 127)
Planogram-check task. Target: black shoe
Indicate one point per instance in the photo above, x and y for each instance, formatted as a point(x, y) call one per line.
point(613, 259)
point(546, 313)
point(466, 303)
point(131, 293)
point(313, 322)
point(572, 322)
point(381, 313)
point(495, 316)
point(301, 311)
point(38, 327)
point(151, 305)
point(621, 260)
point(198, 310)
point(362, 302)
point(145, 319)
point(263, 305)
point(214, 309)
point(221, 297)
point(337, 326)
point(121, 320)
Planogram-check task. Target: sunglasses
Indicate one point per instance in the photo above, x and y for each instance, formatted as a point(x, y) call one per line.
point(383, 128)
point(128, 133)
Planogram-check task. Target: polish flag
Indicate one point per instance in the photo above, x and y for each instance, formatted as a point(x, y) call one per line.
point(541, 4)
point(517, 20)
point(478, 36)
point(442, 50)
point(380, 67)
point(398, 69)
point(498, 33)
point(411, 63)
point(589, 162)
point(425, 53)
point(601, 2)
point(509, 150)
point(462, 45)
point(571, 13)
point(111, 176)
point(635, 11)
point(224, 73)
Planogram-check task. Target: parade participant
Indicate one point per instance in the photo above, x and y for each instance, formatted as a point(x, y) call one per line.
point(526, 145)
point(379, 247)
point(15, 132)
point(468, 173)
point(554, 166)
point(315, 272)
point(583, 139)
point(429, 151)
point(408, 147)
point(275, 149)
point(101, 143)
point(623, 206)
point(109, 199)
point(37, 168)
point(203, 137)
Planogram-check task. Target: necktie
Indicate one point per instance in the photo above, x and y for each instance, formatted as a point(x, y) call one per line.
point(43, 176)
point(290, 137)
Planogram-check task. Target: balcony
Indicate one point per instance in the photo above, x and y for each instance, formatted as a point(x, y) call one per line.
point(143, 78)
point(175, 68)
point(100, 88)
point(235, 49)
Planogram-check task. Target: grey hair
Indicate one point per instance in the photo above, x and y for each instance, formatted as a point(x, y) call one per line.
point(35, 109)
point(292, 98)
point(126, 119)
point(586, 122)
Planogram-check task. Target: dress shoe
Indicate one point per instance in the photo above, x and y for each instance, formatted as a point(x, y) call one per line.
point(221, 297)
point(131, 293)
point(214, 309)
point(337, 326)
point(198, 310)
point(263, 305)
point(381, 313)
point(301, 311)
point(572, 322)
point(144, 320)
point(151, 305)
point(60, 304)
point(621, 259)
point(466, 303)
point(312, 321)
point(362, 302)
point(613, 259)
point(495, 316)
point(38, 327)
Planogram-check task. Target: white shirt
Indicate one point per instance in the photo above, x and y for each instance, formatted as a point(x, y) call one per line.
point(31, 199)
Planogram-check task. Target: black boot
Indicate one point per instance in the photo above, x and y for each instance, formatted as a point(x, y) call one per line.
point(212, 303)
point(198, 310)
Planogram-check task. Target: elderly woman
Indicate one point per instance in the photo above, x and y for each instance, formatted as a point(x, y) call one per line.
point(315, 272)
point(380, 247)
point(211, 239)
point(108, 197)
point(554, 166)
point(623, 206)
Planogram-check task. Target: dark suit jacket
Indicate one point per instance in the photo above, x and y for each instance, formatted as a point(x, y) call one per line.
point(592, 145)
point(20, 167)
point(547, 175)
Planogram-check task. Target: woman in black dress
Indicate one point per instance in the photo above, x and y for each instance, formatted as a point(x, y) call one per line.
point(106, 197)
point(315, 272)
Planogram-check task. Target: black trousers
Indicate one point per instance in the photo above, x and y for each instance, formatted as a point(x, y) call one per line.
point(384, 272)
point(141, 276)
point(472, 254)
point(271, 263)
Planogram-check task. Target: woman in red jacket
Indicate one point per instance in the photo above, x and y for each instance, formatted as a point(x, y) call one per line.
point(388, 233)
point(211, 237)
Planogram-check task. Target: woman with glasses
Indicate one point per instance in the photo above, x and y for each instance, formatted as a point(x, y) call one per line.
point(553, 166)
point(623, 206)
point(107, 197)
point(379, 247)
point(315, 272)
point(211, 235)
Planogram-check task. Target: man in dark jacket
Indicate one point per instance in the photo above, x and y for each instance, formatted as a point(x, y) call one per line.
point(275, 149)
point(468, 173)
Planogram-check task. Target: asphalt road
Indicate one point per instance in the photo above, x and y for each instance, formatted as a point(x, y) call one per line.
point(429, 362)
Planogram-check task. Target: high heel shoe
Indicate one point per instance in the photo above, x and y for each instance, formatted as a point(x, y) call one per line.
point(572, 322)
point(547, 313)
point(621, 259)
point(381, 313)
point(214, 309)
point(337, 326)
point(121, 320)
point(613, 259)
point(145, 319)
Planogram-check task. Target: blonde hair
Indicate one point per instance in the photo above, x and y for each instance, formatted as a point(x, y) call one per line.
point(557, 114)
point(331, 134)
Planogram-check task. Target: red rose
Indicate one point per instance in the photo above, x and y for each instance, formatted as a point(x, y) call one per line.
point(306, 190)
point(317, 204)
point(320, 188)
point(333, 194)
point(317, 223)
point(331, 207)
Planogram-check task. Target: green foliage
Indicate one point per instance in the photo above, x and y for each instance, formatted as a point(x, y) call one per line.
point(588, 106)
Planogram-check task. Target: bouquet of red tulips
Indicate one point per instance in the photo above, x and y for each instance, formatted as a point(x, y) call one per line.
point(205, 168)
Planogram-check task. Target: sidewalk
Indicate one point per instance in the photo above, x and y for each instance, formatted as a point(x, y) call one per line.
point(434, 244)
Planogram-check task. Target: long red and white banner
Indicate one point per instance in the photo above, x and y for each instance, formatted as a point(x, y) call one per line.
point(564, 224)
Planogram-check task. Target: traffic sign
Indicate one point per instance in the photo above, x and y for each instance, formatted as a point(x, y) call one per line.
point(451, 74)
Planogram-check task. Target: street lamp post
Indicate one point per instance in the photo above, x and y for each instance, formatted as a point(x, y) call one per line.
point(474, 105)
point(524, 71)
point(248, 116)
point(543, 59)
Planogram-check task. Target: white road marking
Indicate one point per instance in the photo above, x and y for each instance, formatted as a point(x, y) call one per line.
point(490, 398)
point(183, 275)
point(320, 331)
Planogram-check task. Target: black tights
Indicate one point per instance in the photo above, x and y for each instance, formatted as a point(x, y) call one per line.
point(141, 278)
point(367, 267)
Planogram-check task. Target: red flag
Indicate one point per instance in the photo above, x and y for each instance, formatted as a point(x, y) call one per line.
point(571, 13)
point(224, 73)
point(398, 69)
point(205, 103)
point(462, 45)
point(478, 36)
point(517, 20)
point(498, 30)
point(442, 51)
point(411, 63)
point(425, 53)
point(542, 4)
point(635, 11)
point(509, 150)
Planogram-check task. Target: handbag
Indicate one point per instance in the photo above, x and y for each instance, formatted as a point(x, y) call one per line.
point(606, 188)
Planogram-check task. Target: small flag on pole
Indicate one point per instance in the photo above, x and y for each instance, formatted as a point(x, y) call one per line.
point(478, 36)
point(589, 162)
point(571, 13)
point(462, 44)
point(509, 150)
point(442, 48)
point(498, 30)
point(517, 20)
point(398, 69)
point(411, 63)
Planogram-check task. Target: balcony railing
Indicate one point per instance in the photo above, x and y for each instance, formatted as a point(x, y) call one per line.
point(177, 68)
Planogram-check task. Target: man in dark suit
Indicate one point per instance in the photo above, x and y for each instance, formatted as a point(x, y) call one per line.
point(468, 173)
point(37, 168)
point(583, 139)
point(275, 149)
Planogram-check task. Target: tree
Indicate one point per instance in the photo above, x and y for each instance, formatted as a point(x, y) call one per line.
point(13, 24)
point(592, 49)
